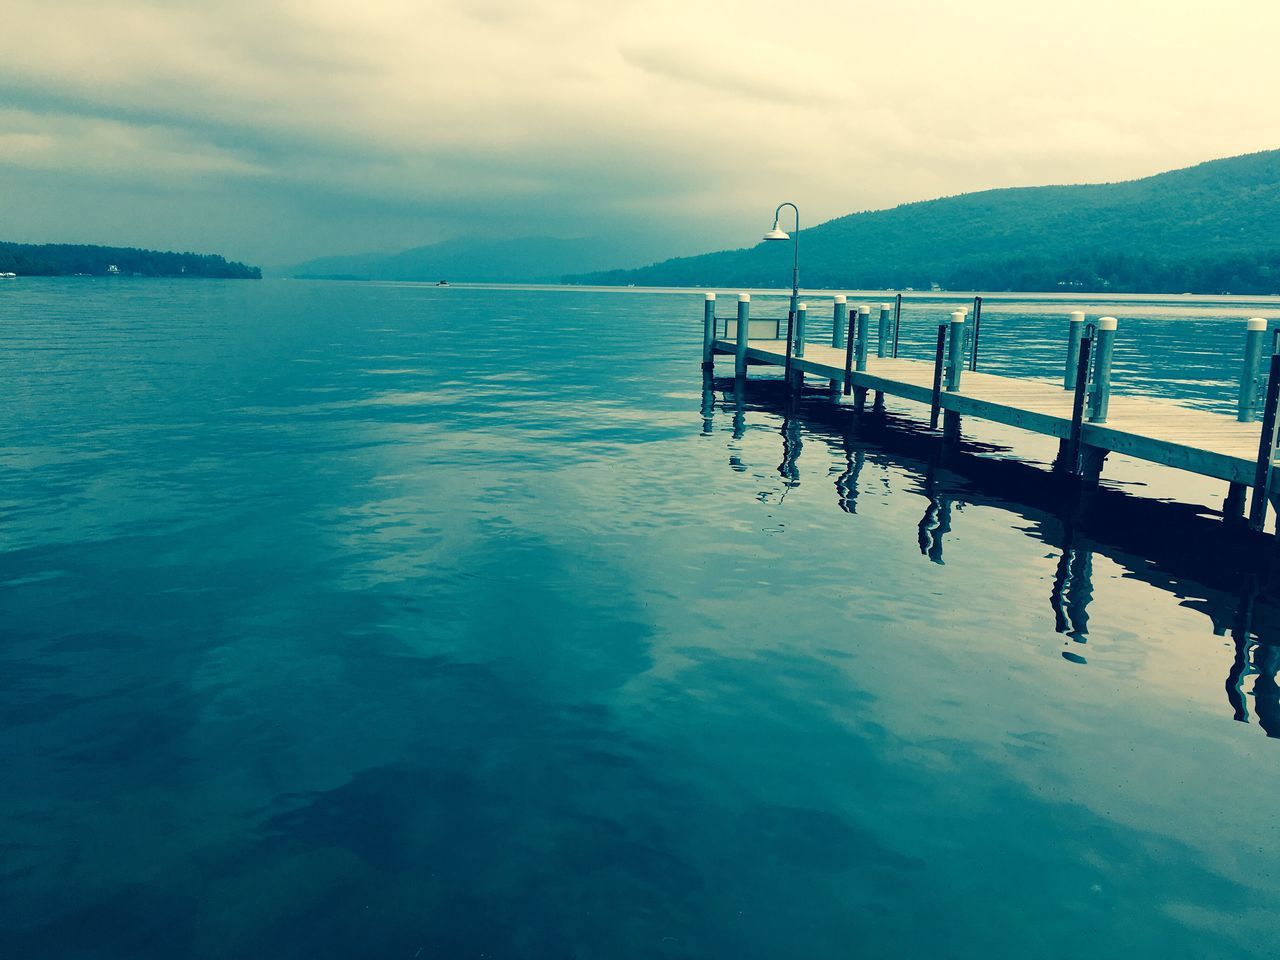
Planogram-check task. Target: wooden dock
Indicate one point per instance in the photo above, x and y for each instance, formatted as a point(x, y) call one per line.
point(1088, 421)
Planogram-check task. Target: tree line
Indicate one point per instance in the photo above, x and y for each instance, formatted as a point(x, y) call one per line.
point(65, 260)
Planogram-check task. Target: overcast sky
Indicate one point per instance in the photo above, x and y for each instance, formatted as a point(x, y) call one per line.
point(274, 131)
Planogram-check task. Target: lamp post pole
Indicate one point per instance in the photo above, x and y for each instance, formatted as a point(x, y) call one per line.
point(778, 234)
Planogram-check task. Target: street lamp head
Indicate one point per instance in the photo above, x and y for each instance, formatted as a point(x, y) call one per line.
point(776, 233)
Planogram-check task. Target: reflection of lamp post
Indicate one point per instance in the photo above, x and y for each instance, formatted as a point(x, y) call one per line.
point(778, 233)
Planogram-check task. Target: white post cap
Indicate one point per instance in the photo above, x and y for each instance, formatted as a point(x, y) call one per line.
point(711, 296)
point(1256, 323)
point(802, 306)
point(744, 298)
point(886, 306)
point(863, 308)
point(1077, 316)
point(1107, 323)
point(957, 316)
point(841, 298)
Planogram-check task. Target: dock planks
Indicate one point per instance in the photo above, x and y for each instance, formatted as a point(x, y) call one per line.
point(1209, 444)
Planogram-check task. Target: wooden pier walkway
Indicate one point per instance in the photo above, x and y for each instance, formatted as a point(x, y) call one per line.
point(1209, 444)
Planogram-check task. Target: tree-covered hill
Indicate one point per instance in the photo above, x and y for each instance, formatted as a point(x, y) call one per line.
point(66, 259)
point(1213, 228)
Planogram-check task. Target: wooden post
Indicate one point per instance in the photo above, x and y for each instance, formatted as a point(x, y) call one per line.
point(864, 312)
point(1266, 448)
point(744, 324)
point(955, 355)
point(882, 347)
point(977, 328)
point(708, 331)
point(849, 342)
point(1255, 334)
point(936, 404)
point(1075, 330)
point(838, 321)
point(1072, 451)
point(1100, 397)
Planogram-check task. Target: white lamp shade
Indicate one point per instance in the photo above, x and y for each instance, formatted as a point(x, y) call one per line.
point(776, 234)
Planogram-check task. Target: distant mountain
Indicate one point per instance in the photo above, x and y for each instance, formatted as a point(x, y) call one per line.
point(1213, 228)
point(68, 259)
point(467, 259)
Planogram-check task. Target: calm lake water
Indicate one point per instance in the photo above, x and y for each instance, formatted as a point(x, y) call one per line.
point(352, 620)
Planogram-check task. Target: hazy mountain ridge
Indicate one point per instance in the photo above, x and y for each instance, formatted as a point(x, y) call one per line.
point(1211, 228)
point(522, 260)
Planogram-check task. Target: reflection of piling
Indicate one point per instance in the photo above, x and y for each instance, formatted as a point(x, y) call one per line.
point(847, 481)
point(789, 468)
point(1266, 688)
point(708, 401)
point(1072, 591)
point(935, 524)
point(739, 410)
point(1242, 638)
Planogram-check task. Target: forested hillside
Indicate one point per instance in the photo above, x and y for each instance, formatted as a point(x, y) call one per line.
point(1212, 228)
point(65, 259)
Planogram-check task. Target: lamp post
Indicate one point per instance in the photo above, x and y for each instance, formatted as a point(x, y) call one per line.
point(777, 233)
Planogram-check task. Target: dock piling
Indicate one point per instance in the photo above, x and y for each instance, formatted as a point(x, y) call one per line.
point(1100, 397)
point(744, 322)
point(882, 347)
point(1075, 330)
point(708, 331)
point(955, 357)
point(1070, 454)
point(802, 317)
point(977, 328)
point(860, 393)
point(1255, 335)
point(1266, 448)
point(850, 339)
point(864, 312)
point(839, 320)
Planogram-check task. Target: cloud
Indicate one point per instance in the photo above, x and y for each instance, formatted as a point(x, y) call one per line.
point(426, 120)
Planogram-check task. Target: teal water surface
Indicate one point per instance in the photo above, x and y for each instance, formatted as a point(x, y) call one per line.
point(351, 620)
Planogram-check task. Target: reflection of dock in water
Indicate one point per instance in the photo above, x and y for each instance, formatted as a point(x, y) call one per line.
point(1150, 540)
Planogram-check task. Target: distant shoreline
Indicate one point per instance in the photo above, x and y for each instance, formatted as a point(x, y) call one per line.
point(87, 260)
point(1271, 301)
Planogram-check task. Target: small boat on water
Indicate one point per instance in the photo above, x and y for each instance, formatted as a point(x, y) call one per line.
point(8, 276)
